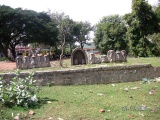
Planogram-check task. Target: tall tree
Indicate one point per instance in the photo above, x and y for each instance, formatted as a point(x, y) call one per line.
point(65, 27)
point(81, 32)
point(142, 21)
point(110, 34)
point(155, 38)
point(25, 26)
point(60, 18)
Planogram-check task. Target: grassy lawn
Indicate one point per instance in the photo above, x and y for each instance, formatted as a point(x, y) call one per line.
point(84, 102)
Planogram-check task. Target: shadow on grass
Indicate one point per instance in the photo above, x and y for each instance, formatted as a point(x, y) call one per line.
point(41, 102)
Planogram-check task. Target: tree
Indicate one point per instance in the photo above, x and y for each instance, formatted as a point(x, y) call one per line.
point(64, 30)
point(155, 38)
point(65, 27)
point(81, 31)
point(25, 26)
point(58, 18)
point(142, 21)
point(110, 34)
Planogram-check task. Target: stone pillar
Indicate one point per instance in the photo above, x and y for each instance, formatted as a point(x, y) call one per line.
point(124, 56)
point(19, 62)
point(33, 61)
point(118, 56)
point(26, 62)
point(104, 58)
point(111, 56)
point(92, 58)
point(40, 61)
point(46, 61)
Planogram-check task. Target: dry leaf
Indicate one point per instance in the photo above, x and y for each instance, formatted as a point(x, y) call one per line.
point(101, 110)
point(135, 88)
point(16, 117)
point(31, 112)
point(113, 85)
point(50, 118)
point(49, 102)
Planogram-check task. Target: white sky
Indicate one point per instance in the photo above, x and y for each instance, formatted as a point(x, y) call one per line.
point(78, 10)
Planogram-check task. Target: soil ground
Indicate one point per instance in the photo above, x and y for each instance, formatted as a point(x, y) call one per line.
point(12, 65)
point(7, 66)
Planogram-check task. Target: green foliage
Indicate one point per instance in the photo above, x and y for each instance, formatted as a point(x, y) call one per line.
point(81, 31)
point(19, 91)
point(142, 21)
point(110, 34)
point(26, 26)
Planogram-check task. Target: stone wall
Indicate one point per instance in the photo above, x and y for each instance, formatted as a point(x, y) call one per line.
point(101, 75)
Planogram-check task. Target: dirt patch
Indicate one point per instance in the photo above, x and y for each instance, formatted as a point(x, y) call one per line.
point(12, 65)
point(7, 66)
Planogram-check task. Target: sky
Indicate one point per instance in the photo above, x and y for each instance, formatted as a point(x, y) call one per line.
point(78, 10)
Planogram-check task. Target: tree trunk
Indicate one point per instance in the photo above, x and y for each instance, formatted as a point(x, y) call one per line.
point(4, 51)
point(82, 45)
point(70, 47)
point(62, 50)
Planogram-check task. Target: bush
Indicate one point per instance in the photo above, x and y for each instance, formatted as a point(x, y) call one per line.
point(18, 92)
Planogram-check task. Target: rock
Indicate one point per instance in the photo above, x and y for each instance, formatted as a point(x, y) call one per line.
point(158, 79)
point(31, 112)
point(126, 89)
point(101, 110)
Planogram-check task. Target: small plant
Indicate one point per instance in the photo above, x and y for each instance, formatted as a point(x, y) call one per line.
point(18, 92)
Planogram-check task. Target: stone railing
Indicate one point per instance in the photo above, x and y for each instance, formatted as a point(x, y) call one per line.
point(35, 61)
point(101, 75)
point(112, 56)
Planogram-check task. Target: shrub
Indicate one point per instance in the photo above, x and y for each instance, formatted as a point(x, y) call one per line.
point(18, 92)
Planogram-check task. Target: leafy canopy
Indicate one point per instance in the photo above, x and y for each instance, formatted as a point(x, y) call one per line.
point(110, 34)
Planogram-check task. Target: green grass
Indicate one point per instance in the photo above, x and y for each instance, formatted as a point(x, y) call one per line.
point(83, 102)
point(154, 61)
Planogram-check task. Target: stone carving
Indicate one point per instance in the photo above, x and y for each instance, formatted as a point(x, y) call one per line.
point(111, 56)
point(124, 56)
